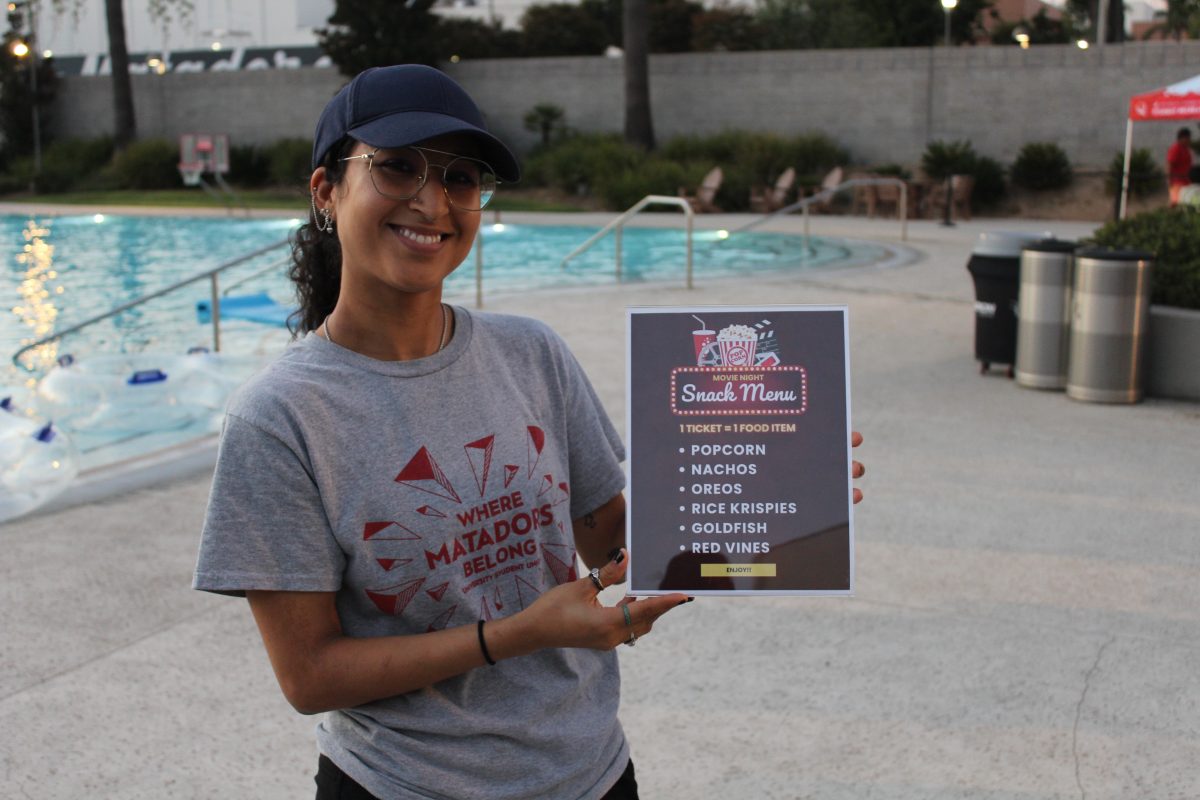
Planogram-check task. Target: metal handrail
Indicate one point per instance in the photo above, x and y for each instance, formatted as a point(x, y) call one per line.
point(619, 224)
point(825, 194)
point(211, 275)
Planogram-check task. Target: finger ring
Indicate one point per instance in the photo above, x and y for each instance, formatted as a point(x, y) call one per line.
point(595, 576)
point(632, 640)
point(628, 616)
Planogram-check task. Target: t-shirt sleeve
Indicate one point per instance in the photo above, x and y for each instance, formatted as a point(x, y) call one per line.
point(266, 527)
point(596, 451)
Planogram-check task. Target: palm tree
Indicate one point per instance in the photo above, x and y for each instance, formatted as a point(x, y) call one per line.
point(635, 35)
point(124, 121)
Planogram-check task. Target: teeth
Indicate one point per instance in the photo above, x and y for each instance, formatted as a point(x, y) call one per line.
point(420, 238)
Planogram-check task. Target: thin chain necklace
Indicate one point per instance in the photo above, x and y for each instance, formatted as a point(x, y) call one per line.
point(441, 339)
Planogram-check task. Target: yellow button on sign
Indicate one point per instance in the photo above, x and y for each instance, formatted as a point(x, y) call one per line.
point(737, 570)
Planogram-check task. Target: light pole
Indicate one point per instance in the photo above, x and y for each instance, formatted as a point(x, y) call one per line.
point(949, 6)
point(23, 50)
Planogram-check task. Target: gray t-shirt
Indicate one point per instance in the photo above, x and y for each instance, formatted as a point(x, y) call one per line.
point(429, 494)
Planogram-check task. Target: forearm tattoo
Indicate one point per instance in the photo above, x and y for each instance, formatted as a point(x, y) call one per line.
point(589, 520)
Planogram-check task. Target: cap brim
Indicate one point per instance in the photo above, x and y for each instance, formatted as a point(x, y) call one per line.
point(411, 127)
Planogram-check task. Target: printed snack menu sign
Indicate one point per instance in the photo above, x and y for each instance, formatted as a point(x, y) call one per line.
point(739, 451)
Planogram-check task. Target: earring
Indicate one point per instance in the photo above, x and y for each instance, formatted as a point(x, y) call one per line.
point(322, 218)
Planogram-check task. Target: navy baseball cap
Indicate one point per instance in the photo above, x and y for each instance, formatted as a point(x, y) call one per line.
point(405, 104)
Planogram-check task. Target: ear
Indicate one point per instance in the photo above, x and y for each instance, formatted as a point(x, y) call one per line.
point(321, 189)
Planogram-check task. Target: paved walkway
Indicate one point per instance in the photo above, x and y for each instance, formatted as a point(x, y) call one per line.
point(1026, 624)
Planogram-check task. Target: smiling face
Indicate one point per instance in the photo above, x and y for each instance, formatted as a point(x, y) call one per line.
point(397, 246)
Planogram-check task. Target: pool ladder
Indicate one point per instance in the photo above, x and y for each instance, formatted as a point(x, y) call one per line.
point(618, 225)
point(212, 276)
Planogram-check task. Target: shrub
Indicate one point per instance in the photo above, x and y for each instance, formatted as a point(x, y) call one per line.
point(73, 163)
point(576, 163)
point(290, 161)
point(249, 166)
point(1042, 166)
point(990, 187)
point(548, 121)
point(147, 164)
point(1173, 236)
point(943, 159)
point(621, 190)
point(1145, 176)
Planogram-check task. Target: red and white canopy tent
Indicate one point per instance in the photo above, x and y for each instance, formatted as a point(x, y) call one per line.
point(1175, 102)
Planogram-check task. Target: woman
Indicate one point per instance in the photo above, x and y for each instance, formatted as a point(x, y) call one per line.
point(402, 495)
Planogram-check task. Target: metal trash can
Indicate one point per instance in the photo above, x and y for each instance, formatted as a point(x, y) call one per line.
point(1110, 321)
point(995, 266)
point(1044, 314)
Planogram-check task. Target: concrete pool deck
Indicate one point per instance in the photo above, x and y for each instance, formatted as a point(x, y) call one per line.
point(1026, 623)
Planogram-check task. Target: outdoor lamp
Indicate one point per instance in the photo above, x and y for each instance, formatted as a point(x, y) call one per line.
point(20, 49)
point(1022, 36)
point(948, 5)
point(1082, 44)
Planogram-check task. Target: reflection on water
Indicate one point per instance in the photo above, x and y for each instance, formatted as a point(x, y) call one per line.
point(37, 310)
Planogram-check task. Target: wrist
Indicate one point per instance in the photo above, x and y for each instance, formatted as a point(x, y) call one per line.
point(509, 637)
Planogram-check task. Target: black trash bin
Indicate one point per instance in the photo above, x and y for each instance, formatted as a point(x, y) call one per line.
point(995, 266)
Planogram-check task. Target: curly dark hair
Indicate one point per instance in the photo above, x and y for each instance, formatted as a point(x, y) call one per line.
point(316, 269)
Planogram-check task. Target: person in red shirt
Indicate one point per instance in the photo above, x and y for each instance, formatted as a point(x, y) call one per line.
point(1179, 163)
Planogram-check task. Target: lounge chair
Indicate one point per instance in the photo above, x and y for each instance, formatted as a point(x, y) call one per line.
point(764, 201)
point(704, 200)
point(960, 193)
point(831, 181)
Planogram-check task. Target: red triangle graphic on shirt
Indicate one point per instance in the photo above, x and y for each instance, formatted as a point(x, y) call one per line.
point(422, 472)
point(389, 563)
point(442, 620)
point(510, 472)
point(496, 601)
point(437, 591)
point(484, 611)
point(430, 511)
point(530, 590)
point(564, 494)
point(547, 484)
point(479, 456)
point(388, 532)
point(394, 599)
point(562, 572)
point(537, 440)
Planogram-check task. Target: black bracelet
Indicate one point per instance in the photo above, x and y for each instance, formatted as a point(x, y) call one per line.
point(483, 645)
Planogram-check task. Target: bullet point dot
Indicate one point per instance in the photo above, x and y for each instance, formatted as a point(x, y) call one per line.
point(681, 547)
point(682, 528)
point(681, 508)
point(681, 469)
point(681, 449)
point(681, 489)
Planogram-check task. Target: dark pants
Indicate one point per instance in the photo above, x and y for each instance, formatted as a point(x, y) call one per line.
point(333, 784)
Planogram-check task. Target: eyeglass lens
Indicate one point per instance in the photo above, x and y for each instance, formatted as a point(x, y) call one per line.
point(469, 184)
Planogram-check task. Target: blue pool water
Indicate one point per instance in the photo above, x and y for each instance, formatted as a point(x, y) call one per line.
point(60, 270)
point(133, 389)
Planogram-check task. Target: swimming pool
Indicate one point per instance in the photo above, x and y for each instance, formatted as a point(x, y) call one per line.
point(150, 394)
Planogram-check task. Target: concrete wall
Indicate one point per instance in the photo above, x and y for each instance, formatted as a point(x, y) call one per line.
point(883, 105)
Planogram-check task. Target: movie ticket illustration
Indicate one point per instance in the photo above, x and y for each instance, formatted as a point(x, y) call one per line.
point(738, 432)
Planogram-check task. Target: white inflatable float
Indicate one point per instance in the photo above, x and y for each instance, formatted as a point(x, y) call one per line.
point(37, 461)
point(141, 393)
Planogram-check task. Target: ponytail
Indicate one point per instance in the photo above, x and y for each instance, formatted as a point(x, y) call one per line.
point(316, 269)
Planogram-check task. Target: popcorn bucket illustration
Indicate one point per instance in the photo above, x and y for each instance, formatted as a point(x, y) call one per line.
point(737, 344)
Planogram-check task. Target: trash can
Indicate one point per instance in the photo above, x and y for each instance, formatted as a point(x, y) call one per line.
point(1110, 317)
point(1044, 314)
point(995, 266)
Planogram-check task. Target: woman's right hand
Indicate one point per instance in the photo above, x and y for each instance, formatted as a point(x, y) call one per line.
point(571, 615)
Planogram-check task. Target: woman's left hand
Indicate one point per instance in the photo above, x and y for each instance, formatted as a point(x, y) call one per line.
point(858, 469)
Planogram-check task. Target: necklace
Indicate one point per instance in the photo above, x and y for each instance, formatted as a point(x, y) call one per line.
point(441, 339)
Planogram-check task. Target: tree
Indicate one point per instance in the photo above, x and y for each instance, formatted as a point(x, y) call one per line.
point(561, 29)
point(1182, 19)
point(545, 119)
point(803, 24)
point(639, 128)
point(17, 89)
point(124, 117)
point(371, 33)
point(1084, 14)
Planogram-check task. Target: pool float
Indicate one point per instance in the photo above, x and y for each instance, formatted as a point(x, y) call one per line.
point(132, 393)
point(37, 461)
